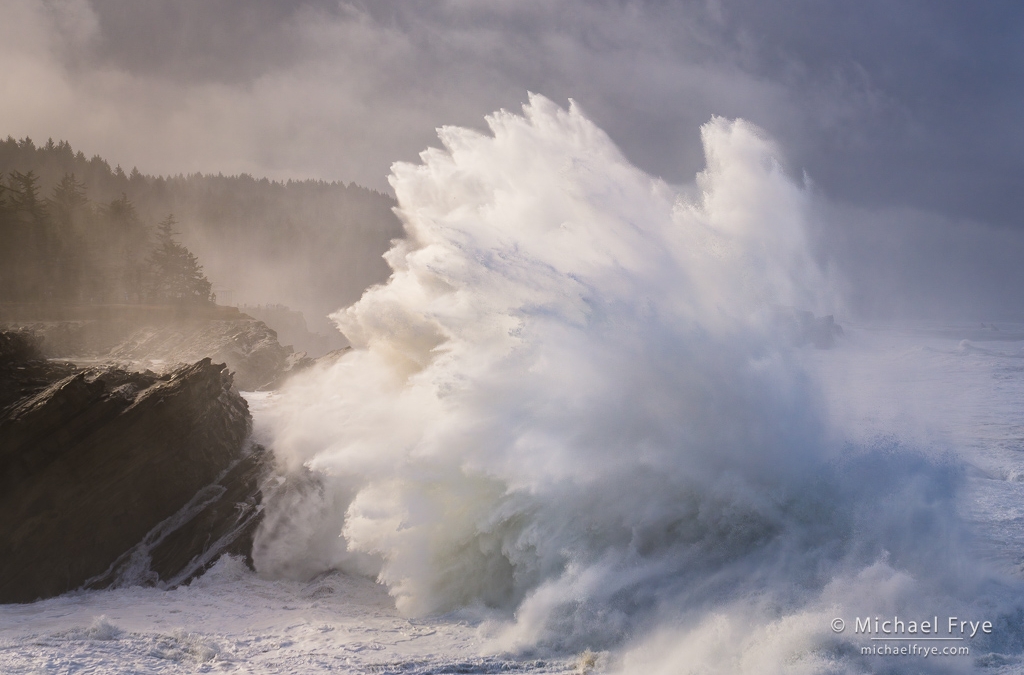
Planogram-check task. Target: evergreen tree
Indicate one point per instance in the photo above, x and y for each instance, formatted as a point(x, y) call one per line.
point(68, 199)
point(73, 252)
point(129, 241)
point(30, 221)
point(176, 275)
point(26, 201)
point(8, 246)
point(6, 208)
point(328, 235)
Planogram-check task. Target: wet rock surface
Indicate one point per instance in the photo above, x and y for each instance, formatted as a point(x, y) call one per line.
point(109, 476)
point(161, 339)
point(220, 518)
point(248, 347)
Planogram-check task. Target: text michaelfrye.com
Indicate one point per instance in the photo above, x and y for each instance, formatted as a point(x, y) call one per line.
point(903, 637)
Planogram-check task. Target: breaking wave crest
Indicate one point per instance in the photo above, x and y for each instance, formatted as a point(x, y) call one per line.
point(572, 409)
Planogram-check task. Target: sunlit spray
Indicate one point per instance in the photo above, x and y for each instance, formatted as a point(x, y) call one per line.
point(572, 409)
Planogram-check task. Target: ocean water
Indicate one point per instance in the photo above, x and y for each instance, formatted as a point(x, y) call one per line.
point(576, 435)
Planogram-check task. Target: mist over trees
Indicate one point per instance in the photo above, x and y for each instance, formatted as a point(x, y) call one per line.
point(177, 277)
point(74, 229)
point(66, 249)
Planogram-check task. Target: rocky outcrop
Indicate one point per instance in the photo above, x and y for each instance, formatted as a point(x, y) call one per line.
point(291, 329)
point(220, 518)
point(22, 371)
point(247, 346)
point(111, 476)
point(803, 328)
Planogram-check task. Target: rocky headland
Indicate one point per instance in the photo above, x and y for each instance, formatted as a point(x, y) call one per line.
point(109, 476)
point(159, 338)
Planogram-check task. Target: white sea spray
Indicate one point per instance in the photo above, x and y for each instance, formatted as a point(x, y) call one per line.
point(572, 407)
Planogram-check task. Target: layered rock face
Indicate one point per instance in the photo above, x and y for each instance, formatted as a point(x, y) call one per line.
point(248, 347)
point(110, 476)
point(158, 338)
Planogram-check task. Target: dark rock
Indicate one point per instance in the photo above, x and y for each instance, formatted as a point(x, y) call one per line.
point(220, 518)
point(96, 463)
point(803, 328)
point(23, 372)
point(73, 338)
point(291, 329)
point(821, 331)
point(249, 347)
point(19, 346)
point(295, 363)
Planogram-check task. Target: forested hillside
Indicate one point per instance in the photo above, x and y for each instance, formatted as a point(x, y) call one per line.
point(66, 249)
point(77, 230)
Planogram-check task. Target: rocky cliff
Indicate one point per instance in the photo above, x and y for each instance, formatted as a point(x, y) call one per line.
point(137, 340)
point(248, 347)
point(109, 476)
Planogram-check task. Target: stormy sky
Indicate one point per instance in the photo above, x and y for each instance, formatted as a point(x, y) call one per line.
point(905, 115)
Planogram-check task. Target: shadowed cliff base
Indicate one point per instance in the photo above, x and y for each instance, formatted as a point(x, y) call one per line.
point(114, 477)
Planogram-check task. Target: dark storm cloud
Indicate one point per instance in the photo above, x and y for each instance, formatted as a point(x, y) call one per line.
point(881, 102)
point(886, 105)
point(200, 40)
point(943, 98)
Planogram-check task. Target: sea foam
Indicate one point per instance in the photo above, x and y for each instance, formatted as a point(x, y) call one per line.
point(572, 409)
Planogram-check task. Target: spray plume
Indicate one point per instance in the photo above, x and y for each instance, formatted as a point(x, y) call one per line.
point(571, 408)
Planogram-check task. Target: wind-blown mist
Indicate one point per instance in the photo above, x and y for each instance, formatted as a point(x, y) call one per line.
point(572, 407)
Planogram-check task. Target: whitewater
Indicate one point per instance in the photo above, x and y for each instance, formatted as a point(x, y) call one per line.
point(577, 433)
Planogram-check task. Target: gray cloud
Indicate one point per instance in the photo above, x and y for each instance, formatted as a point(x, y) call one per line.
point(912, 105)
